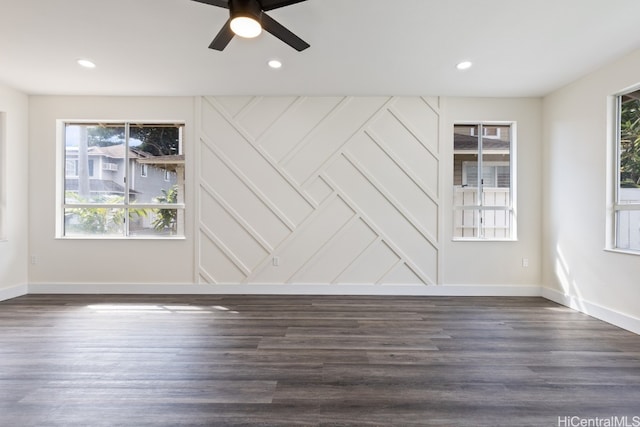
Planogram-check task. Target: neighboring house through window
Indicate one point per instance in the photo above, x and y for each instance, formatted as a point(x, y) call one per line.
point(483, 178)
point(115, 180)
point(626, 204)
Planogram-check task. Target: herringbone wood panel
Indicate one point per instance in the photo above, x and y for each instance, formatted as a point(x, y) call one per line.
point(341, 190)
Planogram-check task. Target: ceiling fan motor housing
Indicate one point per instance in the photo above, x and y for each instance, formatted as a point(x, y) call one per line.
point(246, 8)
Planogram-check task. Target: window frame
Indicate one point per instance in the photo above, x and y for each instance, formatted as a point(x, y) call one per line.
point(126, 205)
point(615, 205)
point(480, 207)
point(3, 176)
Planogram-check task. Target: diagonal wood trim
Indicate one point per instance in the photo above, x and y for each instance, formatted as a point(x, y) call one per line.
point(402, 165)
point(340, 149)
point(391, 199)
point(292, 237)
point(405, 124)
point(225, 249)
point(236, 216)
point(389, 242)
point(397, 139)
point(304, 141)
point(252, 142)
point(326, 244)
point(248, 183)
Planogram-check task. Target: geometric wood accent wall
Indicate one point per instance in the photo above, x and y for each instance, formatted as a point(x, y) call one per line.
point(331, 189)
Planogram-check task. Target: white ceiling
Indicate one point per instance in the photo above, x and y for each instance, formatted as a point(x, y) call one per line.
point(358, 47)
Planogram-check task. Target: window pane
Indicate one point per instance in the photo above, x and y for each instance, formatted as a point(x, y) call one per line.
point(504, 176)
point(465, 155)
point(496, 157)
point(629, 146)
point(496, 171)
point(627, 235)
point(482, 179)
point(154, 222)
point(94, 221)
point(466, 223)
point(496, 224)
point(628, 230)
point(94, 163)
point(157, 164)
point(123, 164)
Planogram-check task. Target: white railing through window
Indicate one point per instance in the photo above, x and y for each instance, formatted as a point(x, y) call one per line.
point(492, 220)
point(628, 219)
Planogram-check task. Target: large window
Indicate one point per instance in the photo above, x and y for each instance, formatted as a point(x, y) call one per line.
point(122, 180)
point(483, 181)
point(627, 173)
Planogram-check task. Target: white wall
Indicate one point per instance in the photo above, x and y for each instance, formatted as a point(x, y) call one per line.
point(14, 191)
point(350, 194)
point(109, 262)
point(497, 263)
point(577, 269)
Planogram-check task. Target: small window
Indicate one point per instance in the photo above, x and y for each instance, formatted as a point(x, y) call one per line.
point(483, 181)
point(626, 206)
point(103, 197)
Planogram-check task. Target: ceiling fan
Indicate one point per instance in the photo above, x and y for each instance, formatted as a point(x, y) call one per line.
point(247, 19)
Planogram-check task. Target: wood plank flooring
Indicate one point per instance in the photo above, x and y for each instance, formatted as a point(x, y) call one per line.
point(124, 360)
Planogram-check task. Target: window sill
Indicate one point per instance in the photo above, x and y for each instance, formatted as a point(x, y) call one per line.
point(482, 240)
point(622, 251)
point(121, 238)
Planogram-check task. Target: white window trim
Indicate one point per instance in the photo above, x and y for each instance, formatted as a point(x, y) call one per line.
point(613, 176)
point(60, 185)
point(513, 186)
point(3, 176)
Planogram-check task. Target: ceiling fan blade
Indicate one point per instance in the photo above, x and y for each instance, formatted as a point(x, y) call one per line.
point(272, 26)
point(219, 3)
point(223, 37)
point(275, 4)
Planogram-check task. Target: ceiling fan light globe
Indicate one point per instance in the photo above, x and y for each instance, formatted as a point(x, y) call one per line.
point(246, 27)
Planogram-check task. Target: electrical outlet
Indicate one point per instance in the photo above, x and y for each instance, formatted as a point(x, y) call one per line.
point(525, 262)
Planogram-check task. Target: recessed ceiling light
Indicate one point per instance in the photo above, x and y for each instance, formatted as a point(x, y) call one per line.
point(464, 65)
point(275, 63)
point(86, 63)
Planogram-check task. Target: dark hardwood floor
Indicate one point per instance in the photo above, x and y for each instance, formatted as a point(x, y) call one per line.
point(71, 360)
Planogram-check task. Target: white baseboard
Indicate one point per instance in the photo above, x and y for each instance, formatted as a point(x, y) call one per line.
point(287, 289)
point(13, 292)
point(621, 320)
point(608, 315)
